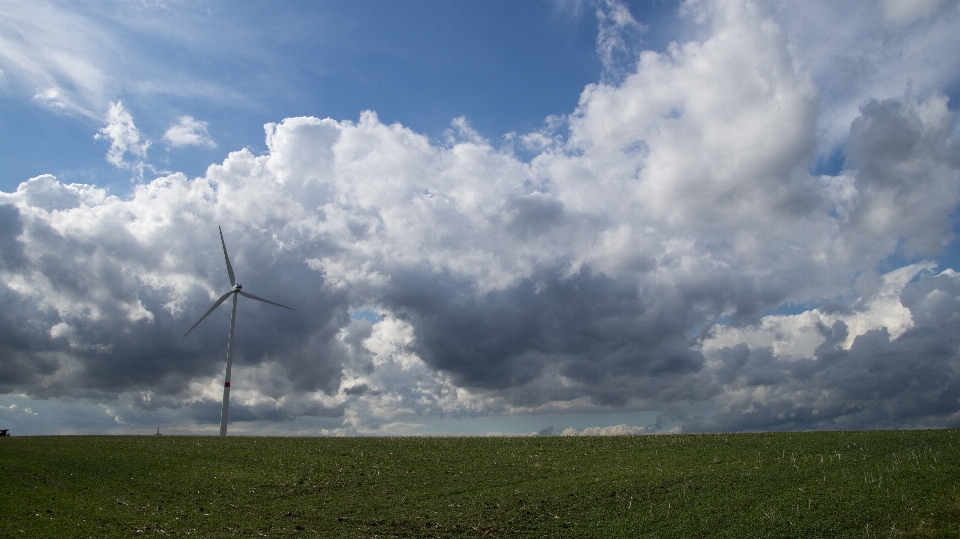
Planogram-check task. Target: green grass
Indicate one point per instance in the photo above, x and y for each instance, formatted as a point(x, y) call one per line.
point(819, 484)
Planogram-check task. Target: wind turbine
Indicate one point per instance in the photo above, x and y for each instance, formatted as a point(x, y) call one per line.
point(235, 290)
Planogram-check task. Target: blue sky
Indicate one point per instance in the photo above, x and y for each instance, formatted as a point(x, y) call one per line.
point(491, 217)
point(505, 66)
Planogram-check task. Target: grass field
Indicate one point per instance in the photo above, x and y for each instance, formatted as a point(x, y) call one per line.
point(821, 484)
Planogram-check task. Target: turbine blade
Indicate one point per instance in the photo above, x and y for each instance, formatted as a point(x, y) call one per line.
point(258, 298)
point(233, 280)
point(215, 305)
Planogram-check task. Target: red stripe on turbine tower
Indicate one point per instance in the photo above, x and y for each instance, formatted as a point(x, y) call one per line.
point(226, 384)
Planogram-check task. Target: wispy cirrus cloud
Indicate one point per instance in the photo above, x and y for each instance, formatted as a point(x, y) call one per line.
point(56, 56)
point(78, 61)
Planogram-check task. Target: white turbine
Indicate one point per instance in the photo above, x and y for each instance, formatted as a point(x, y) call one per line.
point(236, 289)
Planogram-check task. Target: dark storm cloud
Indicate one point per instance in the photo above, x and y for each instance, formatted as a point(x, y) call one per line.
point(27, 355)
point(912, 381)
point(593, 329)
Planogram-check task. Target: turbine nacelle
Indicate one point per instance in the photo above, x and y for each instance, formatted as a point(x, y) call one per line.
point(236, 288)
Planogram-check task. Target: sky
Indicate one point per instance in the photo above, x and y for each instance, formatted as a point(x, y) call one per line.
point(552, 217)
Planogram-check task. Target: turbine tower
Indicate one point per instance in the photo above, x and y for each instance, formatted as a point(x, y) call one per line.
point(235, 290)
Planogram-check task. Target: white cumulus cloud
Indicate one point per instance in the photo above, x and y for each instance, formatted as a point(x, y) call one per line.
point(124, 139)
point(188, 132)
point(613, 430)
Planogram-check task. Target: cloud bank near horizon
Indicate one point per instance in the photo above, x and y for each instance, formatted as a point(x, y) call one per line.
point(641, 259)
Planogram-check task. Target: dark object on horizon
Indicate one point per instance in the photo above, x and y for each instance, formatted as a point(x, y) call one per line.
point(158, 432)
point(4, 432)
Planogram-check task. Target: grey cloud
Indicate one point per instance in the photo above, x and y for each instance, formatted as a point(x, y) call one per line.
point(11, 248)
point(358, 389)
point(906, 166)
point(910, 381)
point(596, 330)
point(546, 431)
point(240, 411)
point(531, 215)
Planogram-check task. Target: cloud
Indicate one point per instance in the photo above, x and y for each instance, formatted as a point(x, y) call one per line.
point(876, 381)
point(613, 430)
point(637, 262)
point(53, 54)
point(124, 138)
point(906, 167)
point(617, 38)
point(897, 13)
point(188, 132)
point(867, 54)
point(75, 61)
